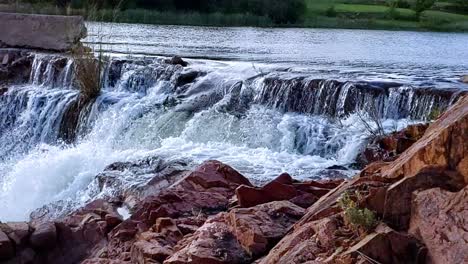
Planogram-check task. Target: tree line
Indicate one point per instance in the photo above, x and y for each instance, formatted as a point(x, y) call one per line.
point(279, 11)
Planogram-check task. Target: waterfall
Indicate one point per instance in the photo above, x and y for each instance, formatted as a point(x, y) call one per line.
point(261, 124)
point(339, 99)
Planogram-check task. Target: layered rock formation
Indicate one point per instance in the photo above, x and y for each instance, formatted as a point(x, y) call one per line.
point(409, 210)
point(58, 33)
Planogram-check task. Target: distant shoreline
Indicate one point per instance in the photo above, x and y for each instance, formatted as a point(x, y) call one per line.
point(310, 20)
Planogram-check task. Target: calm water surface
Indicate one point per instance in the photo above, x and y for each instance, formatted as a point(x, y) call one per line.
point(420, 58)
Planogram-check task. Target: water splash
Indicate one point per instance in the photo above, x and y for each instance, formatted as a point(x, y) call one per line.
point(260, 123)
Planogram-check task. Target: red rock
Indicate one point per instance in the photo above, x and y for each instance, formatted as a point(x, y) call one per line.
point(150, 248)
point(213, 243)
point(44, 236)
point(7, 250)
point(399, 195)
point(444, 144)
point(258, 228)
point(387, 246)
point(17, 231)
point(280, 189)
point(250, 196)
point(207, 189)
point(439, 219)
point(304, 243)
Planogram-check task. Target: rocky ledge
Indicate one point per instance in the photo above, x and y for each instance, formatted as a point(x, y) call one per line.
point(410, 209)
point(45, 32)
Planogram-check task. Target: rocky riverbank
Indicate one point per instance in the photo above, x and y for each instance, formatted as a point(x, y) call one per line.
point(409, 210)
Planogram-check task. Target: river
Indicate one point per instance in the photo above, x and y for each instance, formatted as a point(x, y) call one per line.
point(264, 101)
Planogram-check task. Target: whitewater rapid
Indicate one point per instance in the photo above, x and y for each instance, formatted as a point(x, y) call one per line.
point(249, 117)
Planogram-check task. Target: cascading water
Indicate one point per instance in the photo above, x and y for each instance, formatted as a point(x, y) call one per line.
point(260, 123)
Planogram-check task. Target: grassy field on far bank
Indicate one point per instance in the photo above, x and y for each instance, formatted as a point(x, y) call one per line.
point(355, 14)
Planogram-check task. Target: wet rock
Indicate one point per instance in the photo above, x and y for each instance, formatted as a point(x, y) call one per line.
point(60, 33)
point(18, 232)
point(176, 60)
point(204, 191)
point(17, 67)
point(3, 90)
point(162, 175)
point(386, 148)
point(439, 219)
point(188, 77)
point(7, 250)
point(44, 236)
point(464, 79)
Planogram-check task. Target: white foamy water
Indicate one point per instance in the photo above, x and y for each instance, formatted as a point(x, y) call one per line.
point(263, 119)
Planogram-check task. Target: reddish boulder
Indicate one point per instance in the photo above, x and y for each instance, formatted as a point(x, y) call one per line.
point(213, 243)
point(440, 219)
point(284, 188)
point(206, 190)
point(386, 246)
point(444, 144)
point(7, 250)
point(44, 236)
point(258, 228)
point(238, 236)
point(388, 147)
point(399, 195)
point(312, 241)
point(18, 232)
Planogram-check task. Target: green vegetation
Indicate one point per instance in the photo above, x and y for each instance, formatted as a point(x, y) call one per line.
point(436, 15)
point(361, 220)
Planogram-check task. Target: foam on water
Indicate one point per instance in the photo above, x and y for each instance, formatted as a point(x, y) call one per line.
point(216, 116)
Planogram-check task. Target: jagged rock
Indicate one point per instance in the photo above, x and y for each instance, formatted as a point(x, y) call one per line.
point(387, 246)
point(439, 219)
point(258, 228)
point(212, 243)
point(7, 250)
point(387, 148)
point(238, 236)
point(284, 188)
point(176, 60)
point(44, 236)
point(444, 144)
point(206, 190)
point(307, 242)
point(16, 69)
point(399, 195)
point(18, 232)
point(60, 33)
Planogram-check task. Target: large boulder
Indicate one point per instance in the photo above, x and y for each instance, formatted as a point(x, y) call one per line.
point(440, 220)
point(284, 188)
point(444, 144)
point(239, 236)
point(203, 192)
point(7, 249)
point(58, 33)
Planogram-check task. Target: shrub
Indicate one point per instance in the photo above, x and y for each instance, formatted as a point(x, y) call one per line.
point(331, 12)
point(360, 219)
point(88, 71)
point(434, 114)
